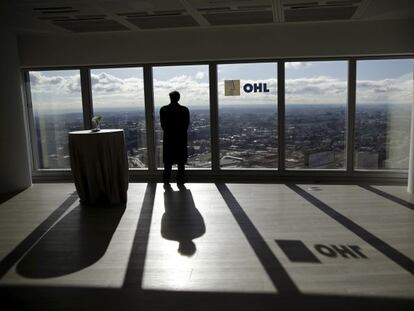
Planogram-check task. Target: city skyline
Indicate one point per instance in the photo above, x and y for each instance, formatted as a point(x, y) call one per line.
point(248, 138)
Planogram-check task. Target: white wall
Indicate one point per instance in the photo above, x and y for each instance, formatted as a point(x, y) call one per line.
point(243, 42)
point(14, 160)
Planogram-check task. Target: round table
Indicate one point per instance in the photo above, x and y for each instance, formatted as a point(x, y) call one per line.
point(99, 166)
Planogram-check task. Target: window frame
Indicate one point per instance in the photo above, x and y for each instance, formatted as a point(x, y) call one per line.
point(34, 150)
point(210, 107)
point(278, 106)
point(151, 173)
point(349, 103)
point(381, 171)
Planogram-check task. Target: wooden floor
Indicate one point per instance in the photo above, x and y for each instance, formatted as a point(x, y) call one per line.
point(210, 247)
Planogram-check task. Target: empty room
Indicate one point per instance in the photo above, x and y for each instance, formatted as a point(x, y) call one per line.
point(207, 155)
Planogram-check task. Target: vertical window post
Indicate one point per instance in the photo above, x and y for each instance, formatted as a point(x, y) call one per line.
point(87, 106)
point(281, 114)
point(350, 137)
point(214, 119)
point(149, 117)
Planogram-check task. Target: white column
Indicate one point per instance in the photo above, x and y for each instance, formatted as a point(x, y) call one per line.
point(15, 170)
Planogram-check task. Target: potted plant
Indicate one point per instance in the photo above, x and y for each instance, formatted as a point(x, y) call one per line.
point(96, 123)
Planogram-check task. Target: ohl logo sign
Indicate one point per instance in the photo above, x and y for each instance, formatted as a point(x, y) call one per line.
point(232, 88)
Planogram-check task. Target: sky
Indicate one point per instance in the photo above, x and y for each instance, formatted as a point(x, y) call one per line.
point(321, 82)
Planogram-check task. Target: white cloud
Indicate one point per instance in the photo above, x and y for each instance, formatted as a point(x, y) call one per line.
point(297, 65)
point(319, 90)
point(399, 90)
point(64, 85)
point(107, 84)
point(199, 75)
point(193, 92)
point(112, 91)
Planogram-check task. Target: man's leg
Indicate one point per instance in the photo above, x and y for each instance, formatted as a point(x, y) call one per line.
point(167, 173)
point(180, 173)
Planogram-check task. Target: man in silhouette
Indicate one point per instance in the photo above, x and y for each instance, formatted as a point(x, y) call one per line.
point(174, 122)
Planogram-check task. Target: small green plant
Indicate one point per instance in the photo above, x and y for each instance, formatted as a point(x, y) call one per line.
point(96, 122)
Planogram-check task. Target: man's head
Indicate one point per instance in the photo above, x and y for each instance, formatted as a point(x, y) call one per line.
point(174, 96)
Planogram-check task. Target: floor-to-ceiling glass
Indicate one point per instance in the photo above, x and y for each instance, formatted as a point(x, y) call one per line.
point(315, 123)
point(247, 94)
point(384, 99)
point(118, 96)
point(57, 109)
point(192, 82)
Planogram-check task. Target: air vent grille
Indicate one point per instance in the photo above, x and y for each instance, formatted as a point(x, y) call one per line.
point(238, 18)
point(133, 14)
point(56, 10)
point(319, 14)
point(163, 21)
point(90, 25)
point(217, 9)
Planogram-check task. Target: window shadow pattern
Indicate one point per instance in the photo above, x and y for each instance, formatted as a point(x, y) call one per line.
point(181, 222)
point(77, 241)
point(388, 196)
point(135, 271)
point(274, 268)
point(386, 249)
point(29, 297)
point(12, 258)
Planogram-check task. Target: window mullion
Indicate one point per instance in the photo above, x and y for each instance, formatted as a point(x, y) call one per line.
point(350, 147)
point(281, 114)
point(149, 118)
point(87, 104)
point(214, 119)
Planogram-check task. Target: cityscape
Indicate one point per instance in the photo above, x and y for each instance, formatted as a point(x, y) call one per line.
point(315, 137)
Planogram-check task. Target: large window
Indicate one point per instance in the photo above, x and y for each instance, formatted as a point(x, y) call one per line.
point(315, 117)
point(118, 96)
point(57, 110)
point(384, 98)
point(193, 84)
point(248, 115)
point(316, 97)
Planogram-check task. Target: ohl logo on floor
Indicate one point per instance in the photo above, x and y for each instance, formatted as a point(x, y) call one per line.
point(232, 88)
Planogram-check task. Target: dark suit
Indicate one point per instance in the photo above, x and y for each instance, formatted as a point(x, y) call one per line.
point(174, 122)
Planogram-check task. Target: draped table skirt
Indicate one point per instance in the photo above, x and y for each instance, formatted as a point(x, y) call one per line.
point(99, 166)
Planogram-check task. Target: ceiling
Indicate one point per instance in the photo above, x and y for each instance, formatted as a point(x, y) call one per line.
point(83, 16)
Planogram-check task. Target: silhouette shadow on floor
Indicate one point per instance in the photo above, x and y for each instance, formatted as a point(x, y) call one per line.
point(77, 241)
point(181, 222)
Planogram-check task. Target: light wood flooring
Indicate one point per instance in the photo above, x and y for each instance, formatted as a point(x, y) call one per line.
point(210, 247)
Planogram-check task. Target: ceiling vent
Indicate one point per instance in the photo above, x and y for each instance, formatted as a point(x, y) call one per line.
point(343, 2)
point(133, 14)
point(321, 13)
point(315, 4)
point(239, 17)
point(52, 18)
point(255, 7)
point(56, 10)
point(214, 10)
point(90, 25)
point(173, 12)
point(163, 21)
